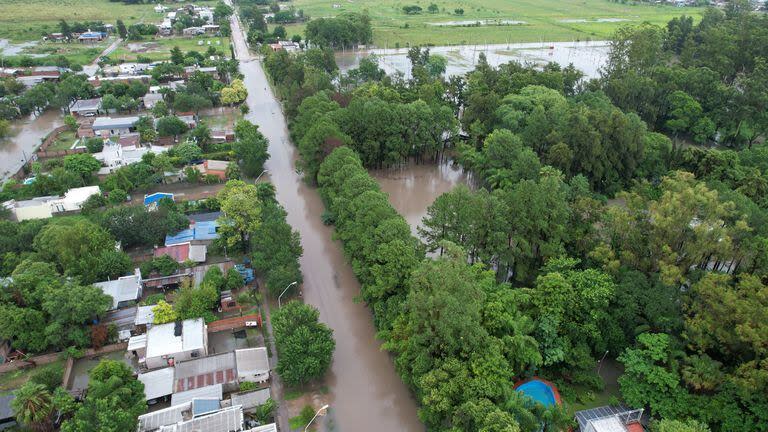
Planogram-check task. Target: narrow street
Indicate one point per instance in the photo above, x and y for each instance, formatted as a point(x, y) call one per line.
point(364, 391)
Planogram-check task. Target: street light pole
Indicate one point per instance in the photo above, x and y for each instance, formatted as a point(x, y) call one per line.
point(321, 410)
point(259, 176)
point(281, 294)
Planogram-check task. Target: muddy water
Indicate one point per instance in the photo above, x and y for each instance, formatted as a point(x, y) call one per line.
point(587, 57)
point(365, 393)
point(26, 136)
point(413, 188)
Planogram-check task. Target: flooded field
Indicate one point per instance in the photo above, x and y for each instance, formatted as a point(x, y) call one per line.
point(414, 188)
point(26, 136)
point(588, 57)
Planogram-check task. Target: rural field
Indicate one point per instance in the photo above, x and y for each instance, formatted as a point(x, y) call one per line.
point(158, 49)
point(503, 21)
point(23, 20)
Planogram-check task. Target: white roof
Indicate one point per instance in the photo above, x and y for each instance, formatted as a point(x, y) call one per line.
point(209, 392)
point(157, 383)
point(144, 315)
point(161, 339)
point(224, 420)
point(126, 288)
point(252, 361)
point(137, 342)
point(79, 195)
point(168, 416)
point(610, 424)
point(266, 428)
point(197, 253)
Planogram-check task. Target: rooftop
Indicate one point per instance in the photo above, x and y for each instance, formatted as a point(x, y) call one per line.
point(157, 419)
point(205, 230)
point(155, 197)
point(163, 339)
point(205, 371)
point(215, 391)
point(86, 104)
point(157, 383)
point(611, 418)
point(144, 315)
point(252, 361)
point(103, 123)
point(124, 289)
point(224, 420)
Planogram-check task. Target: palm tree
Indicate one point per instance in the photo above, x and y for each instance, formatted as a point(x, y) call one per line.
point(33, 407)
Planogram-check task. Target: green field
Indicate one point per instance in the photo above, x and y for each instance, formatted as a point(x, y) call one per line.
point(22, 20)
point(544, 20)
point(160, 48)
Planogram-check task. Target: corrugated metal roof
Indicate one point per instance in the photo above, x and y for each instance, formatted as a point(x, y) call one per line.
point(225, 420)
point(252, 361)
point(208, 392)
point(250, 399)
point(205, 406)
point(168, 416)
point(205, 371)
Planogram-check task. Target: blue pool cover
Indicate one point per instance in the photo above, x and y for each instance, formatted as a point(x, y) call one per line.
point(539, 391)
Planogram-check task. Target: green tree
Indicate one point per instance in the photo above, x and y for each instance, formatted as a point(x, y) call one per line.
point(33, 407)
point(240, 213)
point(250, 148)
point(305, 345)
point(187, 152)
point(114, 400)
point(177, 57)
point(163, 313)
point(171, 126)
point(667, 425)
point(121, 30)
point(82, 164)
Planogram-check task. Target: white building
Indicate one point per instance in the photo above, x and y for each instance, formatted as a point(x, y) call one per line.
point(165, 344)
point(122, 290)
point(114, 155)
point(47, 206)
point(252, 364)
point(157, 383)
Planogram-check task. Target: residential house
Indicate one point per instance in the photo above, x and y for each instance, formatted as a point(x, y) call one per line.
point(56, 37)
point(144, 317)
point(129, 141)
point(160, 8)
point(91, 37)
point(610, 419)
point(132, 68)
point(217, 168)
point(47, 206)
point(229, 419)
point(114, 155)
point(166, 344)
point(211, 392)
point(106, 126)
point(151, 99)
point(198, 233)
point(252, 365)
point(193, 31)
point(206, 371)
point(206, 14)
point(211, 28)
point(157, 383)
point(152, 200)
point(85, 107)
point(183, 252)
point(220, 136)
point(124, 290)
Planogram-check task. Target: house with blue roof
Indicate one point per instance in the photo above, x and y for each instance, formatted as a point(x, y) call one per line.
point(204, 232)
point(151, 201)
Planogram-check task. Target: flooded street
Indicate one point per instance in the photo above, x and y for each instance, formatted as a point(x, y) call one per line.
point(364, 391)
point(588, 57)
point(26, 135)
point(414, 188)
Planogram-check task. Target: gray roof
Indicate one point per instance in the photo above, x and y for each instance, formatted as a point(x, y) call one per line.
point(86, 105)
point(205, 365)
point(225, 420)
point(209, 392)
point(157, 419)
point(103, 123)
point(157, 383)
point(124, 289)
point(204, 217)
point(5, 406)
point(250, 399)
point(252, 361)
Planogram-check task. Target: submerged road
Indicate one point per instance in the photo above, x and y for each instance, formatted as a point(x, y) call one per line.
point(365, 393)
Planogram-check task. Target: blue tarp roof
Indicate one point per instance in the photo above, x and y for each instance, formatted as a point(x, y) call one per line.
point(204, 406)
point(155, 197)
point(199, 231)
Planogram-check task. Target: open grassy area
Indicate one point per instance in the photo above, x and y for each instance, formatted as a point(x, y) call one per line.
point(542, 20)
point(22, 20)
point(63, 142)
point(15, 379)
point(160, 48)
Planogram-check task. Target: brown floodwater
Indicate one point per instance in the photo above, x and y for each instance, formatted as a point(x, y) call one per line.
point(413, 188)
point(26, 136)
point(364, 391)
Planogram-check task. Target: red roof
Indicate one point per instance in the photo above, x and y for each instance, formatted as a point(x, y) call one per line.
point(179, 252)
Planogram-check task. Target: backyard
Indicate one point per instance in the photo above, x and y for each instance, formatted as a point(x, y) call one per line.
point(501, 21)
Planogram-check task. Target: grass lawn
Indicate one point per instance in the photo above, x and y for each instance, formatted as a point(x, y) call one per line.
point(160, 48)
point(63, 142)
point(22, 20)
point(543, 20)
point(15, 379)
point(222, 118)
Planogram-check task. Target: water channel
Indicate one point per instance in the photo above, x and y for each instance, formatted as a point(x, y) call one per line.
point(364, 391)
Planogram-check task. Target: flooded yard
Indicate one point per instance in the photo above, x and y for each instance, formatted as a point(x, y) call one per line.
point(587, 56)
point(78, 380)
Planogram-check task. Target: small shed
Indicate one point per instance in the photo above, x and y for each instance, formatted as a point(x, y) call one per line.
point(252, 364)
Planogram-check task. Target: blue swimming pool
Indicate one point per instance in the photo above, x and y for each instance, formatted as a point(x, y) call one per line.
point(539, 391)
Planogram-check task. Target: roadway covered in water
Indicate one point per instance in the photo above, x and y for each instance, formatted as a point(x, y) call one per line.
point(364, 391)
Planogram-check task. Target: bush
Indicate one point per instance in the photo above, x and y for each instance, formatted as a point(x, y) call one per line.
point(153, 299)
point(49, 375)
point(94, 145)
point(248, 386)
